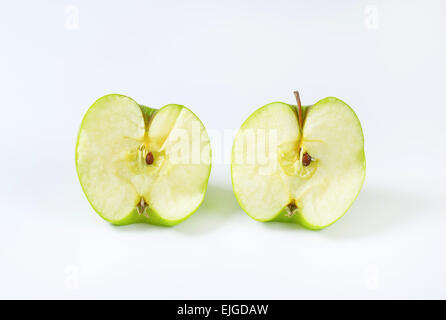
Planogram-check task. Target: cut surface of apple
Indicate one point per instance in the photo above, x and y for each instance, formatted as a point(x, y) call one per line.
point(138, 164)
point(309, 175)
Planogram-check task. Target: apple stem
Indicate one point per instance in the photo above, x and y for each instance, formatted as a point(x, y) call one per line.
point(299, 109)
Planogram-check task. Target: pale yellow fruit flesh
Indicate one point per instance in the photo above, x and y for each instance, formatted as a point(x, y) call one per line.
point(180, 184)
point(113, 143)
point(257, 180)
point(319, 193)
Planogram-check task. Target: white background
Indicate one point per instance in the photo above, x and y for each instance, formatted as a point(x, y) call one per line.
point(223, 59)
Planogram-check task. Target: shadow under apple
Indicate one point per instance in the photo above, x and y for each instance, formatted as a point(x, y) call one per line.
point(376, 210)
point(217, 208)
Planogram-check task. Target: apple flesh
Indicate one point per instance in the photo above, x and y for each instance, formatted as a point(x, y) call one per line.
point(137, 164)
point(299, 164)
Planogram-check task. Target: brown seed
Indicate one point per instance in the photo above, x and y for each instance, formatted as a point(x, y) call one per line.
point(306, 159)
point(149, 158)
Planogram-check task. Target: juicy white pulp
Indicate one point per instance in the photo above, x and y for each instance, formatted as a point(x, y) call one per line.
point(269, 179)
point(113, 143)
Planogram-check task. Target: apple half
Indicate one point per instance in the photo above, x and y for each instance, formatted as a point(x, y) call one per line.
point(299, 164)
point(137, 164)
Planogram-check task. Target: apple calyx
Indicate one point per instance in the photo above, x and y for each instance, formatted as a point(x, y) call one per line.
point(141, 206)
point(306, 158)
point(291, 208)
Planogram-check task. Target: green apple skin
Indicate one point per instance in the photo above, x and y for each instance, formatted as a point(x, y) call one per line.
point(149, 216)
point(283, 215)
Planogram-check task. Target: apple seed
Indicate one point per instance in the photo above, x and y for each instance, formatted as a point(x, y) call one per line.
point(306, 159)
point(149, 158)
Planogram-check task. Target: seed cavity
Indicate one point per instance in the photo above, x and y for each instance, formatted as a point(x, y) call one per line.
point(149, 158)
point(306, 159)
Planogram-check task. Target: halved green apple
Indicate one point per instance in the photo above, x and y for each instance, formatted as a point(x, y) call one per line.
point(299, 164)
point(137, 164)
